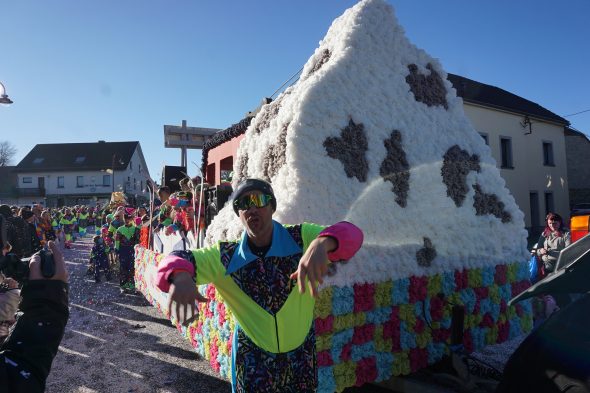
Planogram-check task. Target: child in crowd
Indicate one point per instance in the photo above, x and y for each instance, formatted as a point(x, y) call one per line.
point(99, 259)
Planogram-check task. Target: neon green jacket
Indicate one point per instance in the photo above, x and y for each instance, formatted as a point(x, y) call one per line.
point(287, 328)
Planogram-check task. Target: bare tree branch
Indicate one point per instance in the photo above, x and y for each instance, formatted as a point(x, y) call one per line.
point(7, 153)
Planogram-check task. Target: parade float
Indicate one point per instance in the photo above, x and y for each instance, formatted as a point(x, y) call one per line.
point(374, 133)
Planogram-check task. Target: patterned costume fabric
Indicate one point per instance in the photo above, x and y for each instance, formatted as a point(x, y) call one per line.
point(100, 259)
point(47, 231)
point(144, 234)
point(106, 236)
point(125, 240)
point(82, 223)
point(67, 223)
point(267, 282)
point(261, 372)
point(17, 232)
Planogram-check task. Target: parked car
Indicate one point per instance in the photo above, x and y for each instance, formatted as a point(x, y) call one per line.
point(579, 221)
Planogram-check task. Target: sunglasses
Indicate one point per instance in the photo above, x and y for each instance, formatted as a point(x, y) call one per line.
point(258, 200)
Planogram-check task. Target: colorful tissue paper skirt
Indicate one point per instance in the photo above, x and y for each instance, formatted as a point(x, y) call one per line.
point(371, 332)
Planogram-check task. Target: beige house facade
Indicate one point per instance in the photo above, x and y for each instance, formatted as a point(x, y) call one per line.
point(529, 145)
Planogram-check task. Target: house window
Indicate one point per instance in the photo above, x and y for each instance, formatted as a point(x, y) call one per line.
point(548, 154)
point(79, 181)
point(38, 160)
point(506, 150)
point(549, 206)
point(106, 180)
point(80, 159)
point(141, 185)
point(27, 179)
point(134, 184)
point(485, 138)
point(60, 182)
point(131, 165)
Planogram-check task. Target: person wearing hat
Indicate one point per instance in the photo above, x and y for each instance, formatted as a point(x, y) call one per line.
point(262, 278)
point(126, 237)
point(32, 232)
point(16, 232)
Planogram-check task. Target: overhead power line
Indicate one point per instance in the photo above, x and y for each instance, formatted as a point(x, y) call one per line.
point(577, 113)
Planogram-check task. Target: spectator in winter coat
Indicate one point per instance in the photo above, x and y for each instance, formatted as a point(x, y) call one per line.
point(27, 353)
point(17, 233)
point(32, 235)
point(553, 239)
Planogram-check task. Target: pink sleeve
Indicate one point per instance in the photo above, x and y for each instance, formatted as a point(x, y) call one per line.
point(349, 238)
point(171, 264)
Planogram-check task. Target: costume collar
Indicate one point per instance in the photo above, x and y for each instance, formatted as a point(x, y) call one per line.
point(282, 245)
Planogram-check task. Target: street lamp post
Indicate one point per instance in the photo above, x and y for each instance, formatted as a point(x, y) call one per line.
point(3, 96)
point(113, 173)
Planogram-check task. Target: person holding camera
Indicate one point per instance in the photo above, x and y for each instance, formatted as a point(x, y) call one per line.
point(9, 298)
point(27, 353)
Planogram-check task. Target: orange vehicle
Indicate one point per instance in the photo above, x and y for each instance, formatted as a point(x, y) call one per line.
point(579, 221)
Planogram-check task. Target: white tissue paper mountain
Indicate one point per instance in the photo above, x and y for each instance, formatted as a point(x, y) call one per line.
point(374, 133)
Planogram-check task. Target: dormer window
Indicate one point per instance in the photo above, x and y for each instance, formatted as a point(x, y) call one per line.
point(80, 159)
point(38, 160)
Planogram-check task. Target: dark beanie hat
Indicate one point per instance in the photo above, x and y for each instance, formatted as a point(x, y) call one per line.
point(26, 214)
point(253, 185)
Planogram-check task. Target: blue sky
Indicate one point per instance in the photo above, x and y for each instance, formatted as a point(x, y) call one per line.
point(80, 71)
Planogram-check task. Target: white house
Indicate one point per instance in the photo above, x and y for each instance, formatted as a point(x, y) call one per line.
point(63, 174)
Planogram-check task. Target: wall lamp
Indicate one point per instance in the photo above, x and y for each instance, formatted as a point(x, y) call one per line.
point(527, 123)
point(3, 96)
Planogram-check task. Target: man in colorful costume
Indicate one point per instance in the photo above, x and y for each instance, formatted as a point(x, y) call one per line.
point(262, 278)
